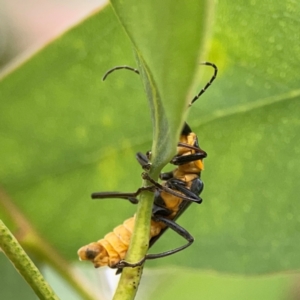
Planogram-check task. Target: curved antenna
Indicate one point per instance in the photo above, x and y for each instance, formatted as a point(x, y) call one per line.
point(120, 68)
point(209, 83)
point(194, 99)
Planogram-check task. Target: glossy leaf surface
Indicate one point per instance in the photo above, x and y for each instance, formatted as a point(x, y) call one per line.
point(65, 134)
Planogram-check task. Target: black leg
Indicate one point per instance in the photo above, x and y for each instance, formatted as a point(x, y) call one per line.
point(193, 198)
point(183, 159)
point(178, 229)
point(126, 196)
point(194, 147)
point(166, 176)
point(174, 226)
point(196, 189)
point(143, 160)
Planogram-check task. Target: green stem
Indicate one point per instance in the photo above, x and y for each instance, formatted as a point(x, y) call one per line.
point(138, 248)
point(32, 241)
point(48, 254)
point(24, 265)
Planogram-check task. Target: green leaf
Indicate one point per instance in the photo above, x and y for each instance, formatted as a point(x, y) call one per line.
point(64, 134)
point(165, 52)
point(146, 24)
point(193, 284)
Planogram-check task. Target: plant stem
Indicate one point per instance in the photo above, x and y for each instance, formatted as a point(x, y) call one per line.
point(138, 248)
point(32, 241)
point(24, 265)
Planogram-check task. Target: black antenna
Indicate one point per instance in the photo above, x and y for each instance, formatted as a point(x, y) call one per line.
point(209, 83)
point(120, 68)
point(194, 99)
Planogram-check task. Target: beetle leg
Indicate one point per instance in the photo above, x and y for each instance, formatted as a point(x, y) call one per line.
point(126, 196)
point(174, 226)
point(178, 229)
point(123, 263)
point(143, 160)
point(191, 197)
point(183, 159)
point(196, 188)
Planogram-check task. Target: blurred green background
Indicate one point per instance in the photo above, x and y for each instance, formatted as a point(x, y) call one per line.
point(65, 134)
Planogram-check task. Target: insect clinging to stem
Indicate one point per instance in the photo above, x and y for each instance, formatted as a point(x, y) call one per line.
point(178, 189)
